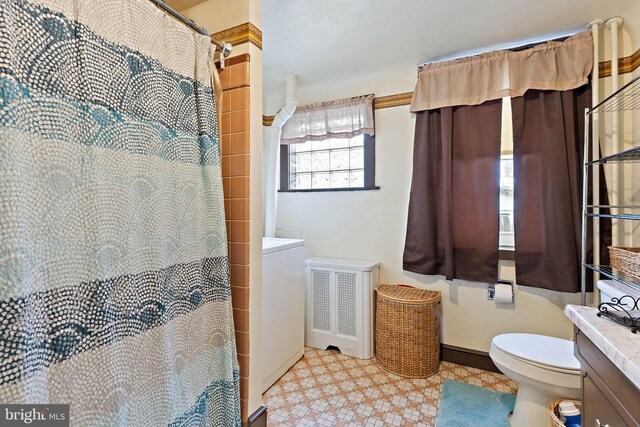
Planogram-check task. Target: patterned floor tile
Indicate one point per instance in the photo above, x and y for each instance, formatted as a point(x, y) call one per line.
point(327, 388)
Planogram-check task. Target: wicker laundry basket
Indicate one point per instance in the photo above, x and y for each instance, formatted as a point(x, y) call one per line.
point(408, 330)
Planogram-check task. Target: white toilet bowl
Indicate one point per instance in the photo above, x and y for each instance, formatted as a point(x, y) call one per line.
point(544, 368)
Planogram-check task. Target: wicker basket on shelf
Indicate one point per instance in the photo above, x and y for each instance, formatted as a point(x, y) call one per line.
point(555, 414)
point(626, 260)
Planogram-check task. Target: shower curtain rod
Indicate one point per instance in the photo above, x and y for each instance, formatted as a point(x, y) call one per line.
point(225, 48)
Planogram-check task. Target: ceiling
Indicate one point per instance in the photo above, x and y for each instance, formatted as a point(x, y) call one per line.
point(183, 4)
point(326, 39)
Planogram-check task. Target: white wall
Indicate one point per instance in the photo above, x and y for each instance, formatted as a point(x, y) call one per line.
point(255, 232)
point(219, 15)
point(629, 131)
point(372, 224)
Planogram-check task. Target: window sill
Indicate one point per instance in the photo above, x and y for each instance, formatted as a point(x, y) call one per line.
point(507, 254)
point(325, 190)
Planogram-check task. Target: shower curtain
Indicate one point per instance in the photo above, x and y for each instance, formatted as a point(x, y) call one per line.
point(114, 283)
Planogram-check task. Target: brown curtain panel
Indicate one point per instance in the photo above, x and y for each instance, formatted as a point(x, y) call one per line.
point(453, 221)
point(548, 131)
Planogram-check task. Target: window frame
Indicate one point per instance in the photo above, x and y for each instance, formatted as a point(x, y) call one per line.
point(369, 144)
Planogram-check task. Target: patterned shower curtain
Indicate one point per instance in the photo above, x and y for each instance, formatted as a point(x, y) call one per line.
point(114, 283)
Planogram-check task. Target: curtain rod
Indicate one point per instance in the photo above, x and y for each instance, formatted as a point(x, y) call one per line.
point(225, 48)
point(519, 45)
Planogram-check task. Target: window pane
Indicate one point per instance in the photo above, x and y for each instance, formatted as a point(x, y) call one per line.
point(320, 161)
point(298, 148)
point(506, 199)
point(333, 163)
point(506, 222)
point(506, 183)
point(303, 181)
point(357, 178)
point(357, 158)
point(506, 202)
point(339, 159)
point(340, 143)
point(506, 170)
point(302, 163)
point(357, 141)
point(340, 179)
point(320, 145)
point(321, 180)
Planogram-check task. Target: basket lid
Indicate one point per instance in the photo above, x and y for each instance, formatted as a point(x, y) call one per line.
point(408, 295)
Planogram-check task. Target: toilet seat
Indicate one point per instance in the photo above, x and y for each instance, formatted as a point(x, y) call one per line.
point(553, 354)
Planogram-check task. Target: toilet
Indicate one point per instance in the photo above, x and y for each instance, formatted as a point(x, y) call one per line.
point(544, 368)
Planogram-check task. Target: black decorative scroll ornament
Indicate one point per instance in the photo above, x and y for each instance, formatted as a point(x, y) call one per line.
point(624, 310)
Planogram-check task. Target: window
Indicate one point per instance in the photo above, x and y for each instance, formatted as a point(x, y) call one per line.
point(507, 240)
point(506, 203)
point(329, 146)
point(330, 164)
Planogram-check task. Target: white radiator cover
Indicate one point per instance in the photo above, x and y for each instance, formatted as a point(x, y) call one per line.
point(339, 309)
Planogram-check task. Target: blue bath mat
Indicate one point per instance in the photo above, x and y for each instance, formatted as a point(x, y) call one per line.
point(466, 405)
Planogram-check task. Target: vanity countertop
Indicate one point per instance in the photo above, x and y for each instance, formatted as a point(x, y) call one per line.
point(618, 343)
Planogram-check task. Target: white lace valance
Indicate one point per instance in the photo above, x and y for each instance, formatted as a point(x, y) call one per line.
point(344, 118)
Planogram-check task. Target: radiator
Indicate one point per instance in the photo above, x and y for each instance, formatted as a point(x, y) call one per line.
point(339, 308)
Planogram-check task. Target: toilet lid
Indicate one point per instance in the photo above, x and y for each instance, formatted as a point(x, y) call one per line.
point(540, 349)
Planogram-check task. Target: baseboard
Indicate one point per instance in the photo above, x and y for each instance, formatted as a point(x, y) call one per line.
point(258, 418)
point(268, 382)
point(467, 357)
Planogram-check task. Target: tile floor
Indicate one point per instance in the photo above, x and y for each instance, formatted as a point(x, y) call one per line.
point(326, 388)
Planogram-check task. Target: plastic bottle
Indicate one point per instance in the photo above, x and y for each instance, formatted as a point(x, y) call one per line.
point(570, 414)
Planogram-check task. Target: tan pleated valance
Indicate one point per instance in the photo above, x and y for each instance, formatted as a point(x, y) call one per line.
point(344, 118)
point(493, 75)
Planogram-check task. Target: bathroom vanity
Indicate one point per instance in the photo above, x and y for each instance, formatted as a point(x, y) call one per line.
point(610, 359)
